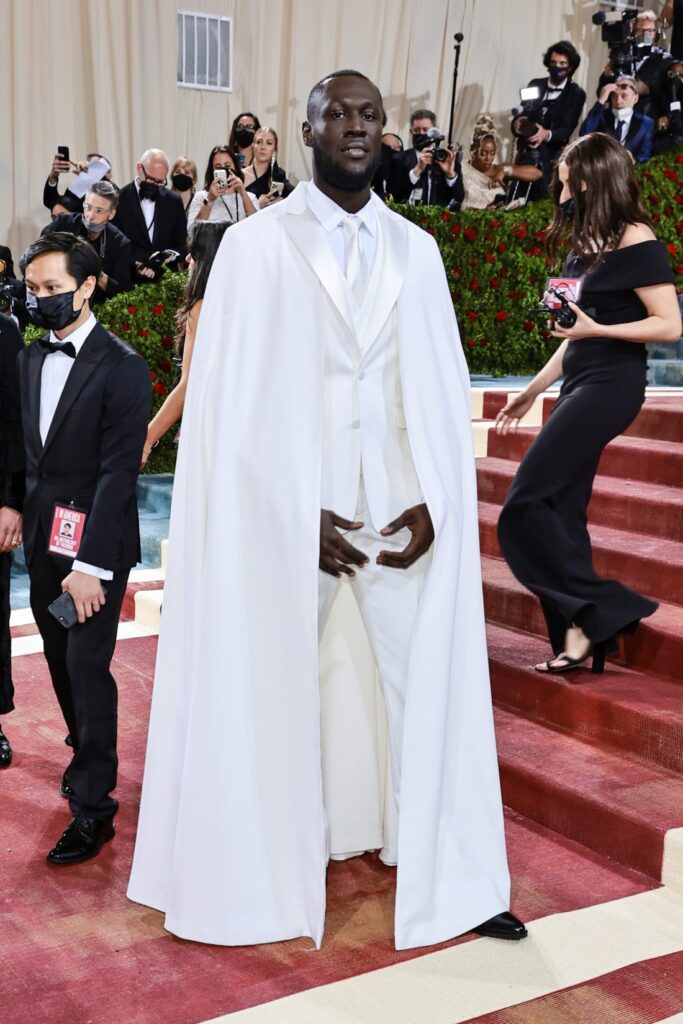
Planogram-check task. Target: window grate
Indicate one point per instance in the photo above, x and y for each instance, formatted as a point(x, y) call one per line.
point(204, 59)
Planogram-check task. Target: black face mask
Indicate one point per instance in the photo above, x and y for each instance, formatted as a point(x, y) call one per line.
point(182, 182)
point(558, 74)
point(568, 207)
point(149, 191)
point(55, 312)
point(244, 137)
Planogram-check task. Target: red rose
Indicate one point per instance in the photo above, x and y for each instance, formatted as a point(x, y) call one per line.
point(143, 332)
point(540, 236)
point(430, 231)
point(489, 237)
point(528, 325)
point(495, 223)
point(471, 343)
point(474, 285)
point(501, 316)
point(503, 273)
point(152, 374)
point(132, 309)
point(456, 229)
point(472, 315)
point(159, 388)
point(158, 309)
point(167, 341)
point(679, 158)
point(470, 234)
point(669, 211)
point(490, 258)
point(164, 364)
point(520, 232)
point(445, 215)
point(654, 217)
point(678, 198)
point(652, 198)
point(536, 250)
point(494, 282)
point(483, 341)
point(456, 272)
point(679, 268)
point(124, 327)
point(673, 248)
point(669, 173)
point(501, 247)
point(455, 295)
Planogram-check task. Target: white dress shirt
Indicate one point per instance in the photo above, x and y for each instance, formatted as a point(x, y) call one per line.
point(56, 368)
point(331, 217)
point(149, 208)
point(623, 117)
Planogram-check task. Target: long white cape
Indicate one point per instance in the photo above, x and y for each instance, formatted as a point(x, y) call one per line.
point(231, 839)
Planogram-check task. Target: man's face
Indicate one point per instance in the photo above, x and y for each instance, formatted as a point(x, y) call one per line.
point(558, 66)
point(96, 209)
point(393, 142)
point(624, 96)
point(47, 275)
point(345, 132)
point(154, 170)
point(421, 126)
point(646, 31)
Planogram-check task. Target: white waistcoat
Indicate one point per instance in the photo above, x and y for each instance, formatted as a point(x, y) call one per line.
point(364, 422)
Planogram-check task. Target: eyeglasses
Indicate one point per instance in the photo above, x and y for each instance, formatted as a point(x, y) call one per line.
point(96, 209)
point(247, 127)
point(151, 180)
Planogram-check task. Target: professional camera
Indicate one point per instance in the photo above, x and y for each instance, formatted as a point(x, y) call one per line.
point(624, 50)
point(527, 115)
point(672, 93)
point(11, 293)
point(432, 138)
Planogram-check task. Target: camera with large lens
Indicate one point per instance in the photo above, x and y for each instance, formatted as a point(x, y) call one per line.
point(618, 31)
point(527, 115)
point(431, 140)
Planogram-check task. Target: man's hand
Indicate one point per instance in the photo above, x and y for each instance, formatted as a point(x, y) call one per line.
point(606, 92)
point(418, 520)
point(540, 135)
point(10, 528)
point(86, 592)
point(425, 159)
point(142, 271)
point(59, 166)
point(448, 165)
point(336, 554)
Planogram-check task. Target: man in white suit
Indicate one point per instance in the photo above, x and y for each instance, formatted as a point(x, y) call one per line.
point(326, 433)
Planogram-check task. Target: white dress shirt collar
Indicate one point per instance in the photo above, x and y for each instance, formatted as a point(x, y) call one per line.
point(76, 337)
point(330, 215)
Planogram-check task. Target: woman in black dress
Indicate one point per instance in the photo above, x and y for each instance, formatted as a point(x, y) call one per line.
point(627, 300)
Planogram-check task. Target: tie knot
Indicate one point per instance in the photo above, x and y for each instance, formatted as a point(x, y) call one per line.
point(352, 225)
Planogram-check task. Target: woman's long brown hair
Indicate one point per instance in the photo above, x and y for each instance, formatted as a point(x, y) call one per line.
point(612, 198)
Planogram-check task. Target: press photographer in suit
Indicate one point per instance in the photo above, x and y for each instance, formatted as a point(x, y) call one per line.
point(11, 503)
point(417, 173)
point(85, 398)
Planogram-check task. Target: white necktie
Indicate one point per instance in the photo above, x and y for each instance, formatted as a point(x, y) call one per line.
point(355, 264)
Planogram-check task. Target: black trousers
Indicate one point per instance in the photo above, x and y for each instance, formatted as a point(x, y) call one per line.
point(542, 529)
point(79, 661)
point(6, 687)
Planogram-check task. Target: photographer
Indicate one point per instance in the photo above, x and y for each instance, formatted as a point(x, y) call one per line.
point(62, 165)
point(669, 131)
point(546, 124)
point(632, 52)
point(426, 173)
point(614, 115)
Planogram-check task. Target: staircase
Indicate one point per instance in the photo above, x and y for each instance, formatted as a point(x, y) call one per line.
point(598, 759)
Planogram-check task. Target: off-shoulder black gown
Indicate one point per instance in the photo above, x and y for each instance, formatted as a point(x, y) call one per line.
point(542, 529)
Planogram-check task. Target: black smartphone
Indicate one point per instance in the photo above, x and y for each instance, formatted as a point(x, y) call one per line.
point(63, 152)
point(64, 611)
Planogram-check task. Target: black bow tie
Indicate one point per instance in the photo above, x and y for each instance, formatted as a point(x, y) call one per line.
point(66, 347)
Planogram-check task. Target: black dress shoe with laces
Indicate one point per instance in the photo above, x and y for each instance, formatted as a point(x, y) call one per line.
point(65, 789)
point(82, 840)
point(5, 751)
point(502, 926)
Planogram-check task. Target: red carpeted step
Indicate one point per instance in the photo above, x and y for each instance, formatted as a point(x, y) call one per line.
point(660, 418)
point(649, 564)
point(632, 505)
point(656, 646)
point(128, 606)
point(624, 710)
point(618, 807)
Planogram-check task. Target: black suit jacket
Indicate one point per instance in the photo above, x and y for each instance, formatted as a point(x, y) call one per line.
point(112, 247)
point(11, 438)
point(561, 116)
point(170, 224)
point(400, 186)
point(92, 452)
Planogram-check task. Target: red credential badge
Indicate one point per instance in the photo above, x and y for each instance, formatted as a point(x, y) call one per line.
point(66, 532)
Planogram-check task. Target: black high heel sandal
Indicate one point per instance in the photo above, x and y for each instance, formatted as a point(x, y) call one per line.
point(598, 651)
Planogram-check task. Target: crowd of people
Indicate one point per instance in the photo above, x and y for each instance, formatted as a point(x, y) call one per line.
point(338, 444)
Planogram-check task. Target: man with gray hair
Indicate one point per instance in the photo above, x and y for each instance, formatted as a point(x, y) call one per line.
point(152, 217)
point(110, 244)
point(614, 114)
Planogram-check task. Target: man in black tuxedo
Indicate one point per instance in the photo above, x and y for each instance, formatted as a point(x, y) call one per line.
point(11, 504)
point(151, 216)
point(111, 245)
point(559, 109)
point(416, 175)
point(85, 398)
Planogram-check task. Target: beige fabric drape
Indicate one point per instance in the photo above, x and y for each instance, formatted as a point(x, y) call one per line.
point(100, 75)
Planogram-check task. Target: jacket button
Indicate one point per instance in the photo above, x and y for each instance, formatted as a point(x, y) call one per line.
point(356, 424)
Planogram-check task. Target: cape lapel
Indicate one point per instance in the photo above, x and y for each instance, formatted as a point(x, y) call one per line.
point(90, 356)
point(387, 275)
point(303, 230)
point(35, 369)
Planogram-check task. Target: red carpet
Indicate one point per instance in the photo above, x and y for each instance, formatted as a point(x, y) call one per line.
point(73, 949)
point(598, 759)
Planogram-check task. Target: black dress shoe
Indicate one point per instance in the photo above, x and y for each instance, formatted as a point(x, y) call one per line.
point(502, 926)
point(5, 751)
point(82, 840)
point(65, 789)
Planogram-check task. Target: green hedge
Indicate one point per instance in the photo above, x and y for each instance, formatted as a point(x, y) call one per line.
point(496, 267)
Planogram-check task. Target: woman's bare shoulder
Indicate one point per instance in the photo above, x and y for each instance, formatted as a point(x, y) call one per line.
point(636, 233)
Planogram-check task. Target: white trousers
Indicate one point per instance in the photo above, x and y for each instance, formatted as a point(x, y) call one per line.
point(362, 784)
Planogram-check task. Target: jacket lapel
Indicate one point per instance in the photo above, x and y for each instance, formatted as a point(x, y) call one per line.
point(387, 275)
point(136, 209)
point(35, 370)
point(88, 359)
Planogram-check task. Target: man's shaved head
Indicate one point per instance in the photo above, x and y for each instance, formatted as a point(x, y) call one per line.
point(318, 90)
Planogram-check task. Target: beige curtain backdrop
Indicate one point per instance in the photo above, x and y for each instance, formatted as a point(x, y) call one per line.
point(99, 75)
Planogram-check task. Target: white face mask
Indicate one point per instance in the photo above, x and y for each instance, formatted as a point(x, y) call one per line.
point(648, 37)
point(623, 114)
